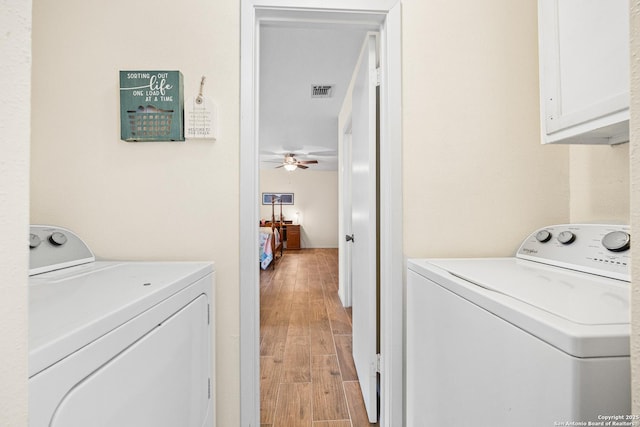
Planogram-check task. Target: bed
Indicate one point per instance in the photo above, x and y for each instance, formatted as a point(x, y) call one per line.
point(270, 244)
point(270, 240)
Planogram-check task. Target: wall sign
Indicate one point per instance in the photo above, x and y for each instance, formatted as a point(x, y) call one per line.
point(151, 106)
point(201, 116)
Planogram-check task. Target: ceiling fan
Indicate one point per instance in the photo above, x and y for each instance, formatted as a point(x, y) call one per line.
point(290, 163)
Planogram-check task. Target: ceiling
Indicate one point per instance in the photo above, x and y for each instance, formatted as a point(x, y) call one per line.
point(293, 57)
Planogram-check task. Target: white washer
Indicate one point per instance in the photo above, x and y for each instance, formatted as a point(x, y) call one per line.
point(540, 339)
point(117, 343)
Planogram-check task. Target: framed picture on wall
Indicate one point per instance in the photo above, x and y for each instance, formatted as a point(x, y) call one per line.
point(284, 198)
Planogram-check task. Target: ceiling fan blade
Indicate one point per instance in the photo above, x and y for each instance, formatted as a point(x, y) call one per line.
point(326, 153)
point(307, 162)
point(278, 153)
point(279, 166)
point(302, 166)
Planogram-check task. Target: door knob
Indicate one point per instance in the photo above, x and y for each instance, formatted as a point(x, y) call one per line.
point(349, 238)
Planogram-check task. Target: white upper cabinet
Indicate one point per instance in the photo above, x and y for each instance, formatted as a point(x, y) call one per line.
point(584, 71)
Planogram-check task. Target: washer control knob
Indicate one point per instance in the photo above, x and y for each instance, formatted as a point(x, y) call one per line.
point(543, 236)
point(617, 241)
point(57, 238)
point(34, 241)
point(566, 237)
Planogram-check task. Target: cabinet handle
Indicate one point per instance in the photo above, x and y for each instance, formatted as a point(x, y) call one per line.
point(349, 238)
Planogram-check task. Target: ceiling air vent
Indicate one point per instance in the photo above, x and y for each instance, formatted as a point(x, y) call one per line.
point(321, 91)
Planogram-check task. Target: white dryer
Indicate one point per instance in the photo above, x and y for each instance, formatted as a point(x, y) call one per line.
point(117, 343)
point(540, 339)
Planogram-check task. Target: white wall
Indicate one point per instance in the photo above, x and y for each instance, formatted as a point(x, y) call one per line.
point(315, 199)
point(635, 204)
point(15, 87)
point(160, 201)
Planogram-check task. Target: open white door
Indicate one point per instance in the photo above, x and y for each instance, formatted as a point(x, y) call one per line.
point(345, 228)
point(364, 225)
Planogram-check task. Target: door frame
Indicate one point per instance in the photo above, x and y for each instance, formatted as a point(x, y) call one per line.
point(391, 250)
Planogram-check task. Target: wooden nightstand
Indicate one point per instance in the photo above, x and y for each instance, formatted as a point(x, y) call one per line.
point(293, 236)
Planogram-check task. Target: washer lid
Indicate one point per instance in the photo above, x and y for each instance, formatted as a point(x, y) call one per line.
point(578, 297)
point(579, 313)
point(72, 307)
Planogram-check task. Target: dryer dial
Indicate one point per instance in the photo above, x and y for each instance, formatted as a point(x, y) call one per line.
point(34, 241)
point(617, 241)
point(57, 238)
point(543, 236)
point(566, 237)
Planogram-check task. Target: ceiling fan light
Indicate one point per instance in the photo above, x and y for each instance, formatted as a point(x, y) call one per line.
point(290, 167)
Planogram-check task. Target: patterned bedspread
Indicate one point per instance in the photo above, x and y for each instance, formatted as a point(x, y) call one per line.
point(266, 252)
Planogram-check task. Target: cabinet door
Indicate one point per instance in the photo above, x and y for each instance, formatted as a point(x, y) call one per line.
point(293, 237)
point(584, 70)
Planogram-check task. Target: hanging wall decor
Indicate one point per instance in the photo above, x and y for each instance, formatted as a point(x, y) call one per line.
point(151, 106)
point(201, 116)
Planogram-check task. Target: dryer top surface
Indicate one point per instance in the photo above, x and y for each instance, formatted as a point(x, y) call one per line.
point(72, 307)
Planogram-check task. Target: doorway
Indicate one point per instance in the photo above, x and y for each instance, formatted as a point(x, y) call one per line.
point(391, 264)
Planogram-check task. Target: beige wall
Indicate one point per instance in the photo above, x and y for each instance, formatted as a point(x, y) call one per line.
point(315, 199)
point(600, 184)
point(161, 201)
point(476, 179)
point(635, 203)
point(15, 69)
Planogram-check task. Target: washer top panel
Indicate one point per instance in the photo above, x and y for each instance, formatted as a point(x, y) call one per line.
point(602, 249)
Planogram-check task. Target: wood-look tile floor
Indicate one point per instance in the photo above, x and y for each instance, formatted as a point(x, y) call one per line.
point(307, 373)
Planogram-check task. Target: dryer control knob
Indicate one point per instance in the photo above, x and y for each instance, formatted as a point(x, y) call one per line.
point(57, 238)
point(34, 241)
point(543, 236)
point(617, 241)
point(566, 237)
